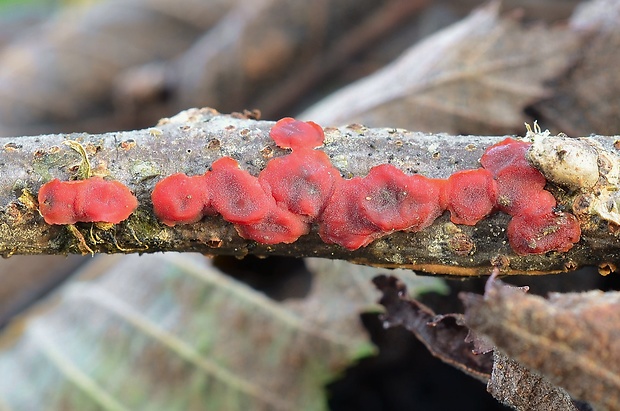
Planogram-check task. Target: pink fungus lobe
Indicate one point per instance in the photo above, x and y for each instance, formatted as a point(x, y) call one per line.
point(540, 233)
point(391, 200)
point(180, 199)
point(90, 200)
point(470, 196)
point(296, 134)
point(277, 226)
point(301, 182)
point(343, 222)
point(505, 153)
point(534, 228)
point(518, 187)
point(237, 195)
point(56, 202)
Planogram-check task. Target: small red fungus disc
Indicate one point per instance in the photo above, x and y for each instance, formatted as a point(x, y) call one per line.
point(100, 200)
point(301, 182)
point(470, 196)
point(296, 134)
point(538, 234)
point(56, 201)
point(180, 199)
point(541, 202)
point(505, 153)
point(394, 201)
point(278, 226)
point(343, 221)
point(518, 187)
point(236, 194)
point(90, 200)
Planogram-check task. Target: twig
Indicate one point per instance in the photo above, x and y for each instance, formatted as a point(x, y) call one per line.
point(191, 141)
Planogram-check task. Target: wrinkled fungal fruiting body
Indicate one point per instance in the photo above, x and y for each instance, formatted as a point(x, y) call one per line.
point(90, 200)
point(303, 188)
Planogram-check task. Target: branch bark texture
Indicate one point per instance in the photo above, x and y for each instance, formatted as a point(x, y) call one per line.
point(191, 141)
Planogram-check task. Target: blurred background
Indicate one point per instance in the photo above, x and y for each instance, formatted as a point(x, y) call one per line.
point(186, 332)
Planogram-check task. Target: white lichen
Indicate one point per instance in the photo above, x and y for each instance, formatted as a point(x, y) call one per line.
point(582, 165)
point(571, 162)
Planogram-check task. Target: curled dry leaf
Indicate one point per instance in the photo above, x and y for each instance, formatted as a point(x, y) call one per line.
point(444, 336)
point(516, 386)
point(473, 77)
point(586, 100)
point(571, 339)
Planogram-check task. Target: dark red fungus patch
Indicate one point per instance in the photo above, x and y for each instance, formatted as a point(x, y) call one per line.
point(518, 186)
point(90, 200)
point(277, 226)
point(295, 134)
point(343, 222)
point(470, 196)
point(539, 233)
point(391, 200)
point(534, 228)
point(179, 199)
point(56, 202)
point(237, 195)
point(508, 152)
point(301, 182)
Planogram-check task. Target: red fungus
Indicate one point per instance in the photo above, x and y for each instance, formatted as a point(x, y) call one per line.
point(277, 226)
point(540, 233)
point(518, 186)
point(237, 195)
point(470, 196)
point(296, 134)
point(394, 201)
point(505, 153)
point(90, 200)
point(56, 202)
point(302, 187)
point(343, 222)
point(301, 182)
point(180, 199)
point(534, 228)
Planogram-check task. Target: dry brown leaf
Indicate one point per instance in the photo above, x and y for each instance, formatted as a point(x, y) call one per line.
point(62, 71)
point(516, 386)
point(473, 77)
point(444, 336)
point(587, 101)
point(571, 339)
point(268, 53)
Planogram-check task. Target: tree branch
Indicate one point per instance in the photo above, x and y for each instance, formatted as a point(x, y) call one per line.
point(191, 141)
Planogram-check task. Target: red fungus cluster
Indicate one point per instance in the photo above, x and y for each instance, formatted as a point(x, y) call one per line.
point(90, 200)
point(302, 188)
point(535, 226)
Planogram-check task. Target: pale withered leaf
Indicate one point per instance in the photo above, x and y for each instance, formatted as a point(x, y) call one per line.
point(571, 339)
point(473, 77)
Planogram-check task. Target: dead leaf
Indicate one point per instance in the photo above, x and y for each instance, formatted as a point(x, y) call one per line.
point(473, 77)
point(62, 71)
point(163, 332)
point(571, 339)
point(268, 53)
point(444, 336)
point(516, 386)
point(586, 101)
